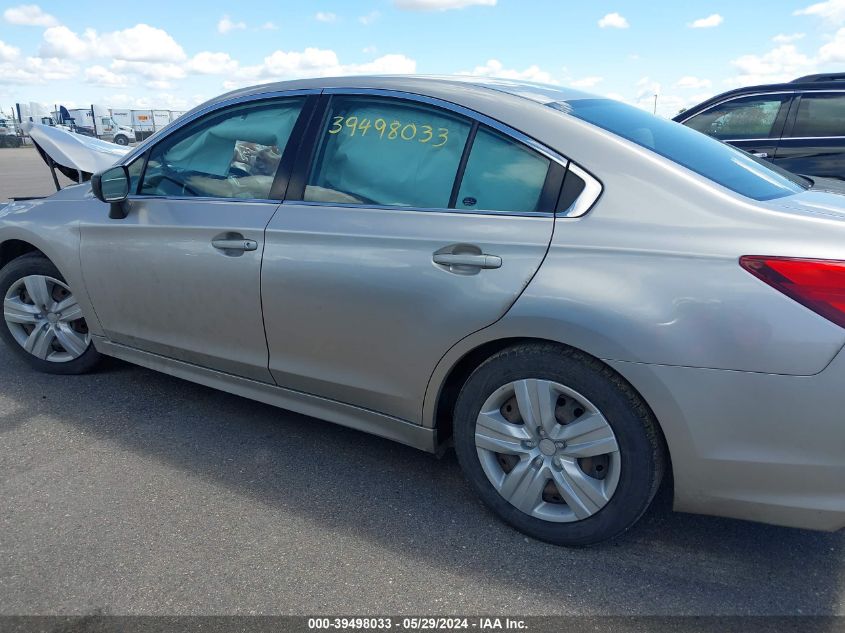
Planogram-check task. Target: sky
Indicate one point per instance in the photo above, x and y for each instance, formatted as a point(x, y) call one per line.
point(174, 55)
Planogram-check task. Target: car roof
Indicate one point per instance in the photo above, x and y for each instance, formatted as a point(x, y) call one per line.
point(427, 85)
point(802, 84)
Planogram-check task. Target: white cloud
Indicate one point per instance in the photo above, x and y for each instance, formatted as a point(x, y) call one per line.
point(325, 16)
point(613, 21)
point(707, 23)
point(832, 11)
point(834, 50)
point(141, 42)
point(784, 38)
point(693, 83)
point(495, 68)
point(36, 70)
point(29, 15)
point(586, 82)
point(158, 84)
point(226, 25)
point(368, 19)
point(269, 26)
point(101, 76)
point(208, 63)
point(441, 5)
point(369, 50)
point(8, 52)
point(782, 63)
point(314, 62)
point(154, 71)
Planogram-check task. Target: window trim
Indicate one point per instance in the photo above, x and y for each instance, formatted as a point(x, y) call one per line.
point(557, 167)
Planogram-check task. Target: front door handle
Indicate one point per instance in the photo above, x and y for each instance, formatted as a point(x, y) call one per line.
point(760, 154)
point(468, 259)
point(235, 244)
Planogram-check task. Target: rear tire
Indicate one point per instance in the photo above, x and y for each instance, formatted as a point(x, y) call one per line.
point(557, 444)
point(42, 323)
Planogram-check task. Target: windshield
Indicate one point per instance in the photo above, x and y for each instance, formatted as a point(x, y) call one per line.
point(712, 159)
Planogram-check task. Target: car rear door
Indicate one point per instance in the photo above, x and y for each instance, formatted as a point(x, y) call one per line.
point(410, 225)
point(180, 275)
point(813, 142)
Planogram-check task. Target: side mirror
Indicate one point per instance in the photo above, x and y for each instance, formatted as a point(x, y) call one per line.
point(112, 186)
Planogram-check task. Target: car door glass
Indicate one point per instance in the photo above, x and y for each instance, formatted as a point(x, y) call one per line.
point(233, 154)
point(750, 118)
point(820, 116)
point(501, 175)
point(377, 151)
point(135, 168)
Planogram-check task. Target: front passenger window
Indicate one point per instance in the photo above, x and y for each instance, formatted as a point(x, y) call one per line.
point(233, 154)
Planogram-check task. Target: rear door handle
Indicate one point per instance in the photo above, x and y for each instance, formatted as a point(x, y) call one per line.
point(235, 244)
point(468, 259)
point(760, 154)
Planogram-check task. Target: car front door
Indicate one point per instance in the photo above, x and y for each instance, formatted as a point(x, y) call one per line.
point(753, 123)
point(180, 275)
point(814, 140)
point(410, 228)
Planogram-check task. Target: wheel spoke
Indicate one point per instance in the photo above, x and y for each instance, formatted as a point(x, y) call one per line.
point(536, 401)
point(39, 292)
point(494, 433)
point(74, 343)
point(16, 311)
point(588, 437)
point(40, 342)
point(584, 495)
point(68, 308)
point(523, 486)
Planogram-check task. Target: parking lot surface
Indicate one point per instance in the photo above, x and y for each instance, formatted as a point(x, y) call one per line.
point(130, 492)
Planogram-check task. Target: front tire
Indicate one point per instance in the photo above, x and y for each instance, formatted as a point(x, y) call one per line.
point(557, 444)
point(42, 322)
point(121, 140)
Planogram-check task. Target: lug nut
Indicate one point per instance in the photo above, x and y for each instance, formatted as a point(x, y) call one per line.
point(528, 444)
point(557, 463)
point(560, 445)
point(538, 461)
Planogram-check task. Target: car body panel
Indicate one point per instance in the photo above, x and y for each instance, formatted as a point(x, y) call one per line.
point(357, 311)
point(648, 280)
point(159, 285)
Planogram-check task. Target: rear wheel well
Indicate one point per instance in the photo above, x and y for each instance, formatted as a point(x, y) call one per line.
point(461, 371)
point(12, 249)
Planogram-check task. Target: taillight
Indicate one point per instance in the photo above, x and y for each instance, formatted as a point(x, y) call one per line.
point(818, 284)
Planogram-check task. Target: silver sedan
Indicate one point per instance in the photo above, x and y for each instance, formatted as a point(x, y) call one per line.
point(583, 299)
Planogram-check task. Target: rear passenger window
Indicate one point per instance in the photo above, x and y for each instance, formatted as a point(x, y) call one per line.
point(820, 115)
point(502, 175)
point(376, 151)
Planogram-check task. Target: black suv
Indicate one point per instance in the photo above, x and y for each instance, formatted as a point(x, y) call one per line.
point(799, 126)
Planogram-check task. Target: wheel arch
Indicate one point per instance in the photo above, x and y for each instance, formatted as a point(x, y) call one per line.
point(444, 400)
point(13, 248)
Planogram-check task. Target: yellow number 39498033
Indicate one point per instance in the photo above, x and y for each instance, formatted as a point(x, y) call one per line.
point(395, 130)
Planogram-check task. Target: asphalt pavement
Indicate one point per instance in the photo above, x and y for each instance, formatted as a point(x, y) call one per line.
point(131, 492)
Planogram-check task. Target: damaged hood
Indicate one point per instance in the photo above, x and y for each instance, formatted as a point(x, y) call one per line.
point(73, 153)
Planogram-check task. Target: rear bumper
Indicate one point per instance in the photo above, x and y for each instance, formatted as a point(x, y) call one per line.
point(753, 446)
